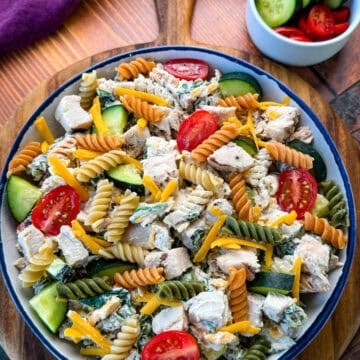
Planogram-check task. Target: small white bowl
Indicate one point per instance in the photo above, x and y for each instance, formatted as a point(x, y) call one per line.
point(292, 52)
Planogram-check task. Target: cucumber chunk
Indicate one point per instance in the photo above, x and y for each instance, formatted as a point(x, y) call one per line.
point(21, 197)
point(319, 168)
point(320, 208)
point(127, 176)
point(59, 270)
point(115, 118)
point(266, 281)
point(334, 4)
point(276, 12)
point(50, 310)
point(101, 268)
point(247, 144)
point(239, 83)
point(306, 3)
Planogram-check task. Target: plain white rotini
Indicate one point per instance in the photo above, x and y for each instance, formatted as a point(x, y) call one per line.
point(100, 205)
point(200, 176)
point(147, 85)
point(125, 252)
point(164, 79)
point(101, 163)
point(125, 340)
point(119, 218)
point(63, 149)
point(35, 270)
point(191, 207)
point(260, 168)
point(87, 90)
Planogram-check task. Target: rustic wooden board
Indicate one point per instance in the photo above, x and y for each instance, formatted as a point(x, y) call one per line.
point(17, 339)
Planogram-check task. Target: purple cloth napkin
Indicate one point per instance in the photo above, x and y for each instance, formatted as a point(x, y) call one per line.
point(25, 21)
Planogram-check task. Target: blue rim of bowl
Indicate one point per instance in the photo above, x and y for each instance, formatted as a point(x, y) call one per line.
point(330, 305)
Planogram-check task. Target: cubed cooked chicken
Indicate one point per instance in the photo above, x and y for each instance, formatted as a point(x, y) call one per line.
point(231, 157)
point(135, 139)
point(314, 254)
point(30, 240)
point(175, 261)
point(73, 250)
point(71, 115)
point(173, 318)
point(278, 123)
point(275, 305)
point(209, 310)
point(242, 258)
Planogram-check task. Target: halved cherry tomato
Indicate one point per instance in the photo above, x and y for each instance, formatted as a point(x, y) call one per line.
point(340, 28)
point(297, 191)
point(171, 345)
point(300, 38)
point(58, 207)
point(195, 129)
point(321, 21)
point(187, 69)
point(303, 25)
point(342, 14)
point(289, 31)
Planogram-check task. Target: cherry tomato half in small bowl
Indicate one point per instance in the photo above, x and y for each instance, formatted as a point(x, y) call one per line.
point(187, 69)
point(195, 129)
point(58, 207)
point(297, 191)
point(321, 21)
point(171, 345)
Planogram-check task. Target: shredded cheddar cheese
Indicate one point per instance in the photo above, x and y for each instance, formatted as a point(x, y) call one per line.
point(157, 100)
point(169, 189)
point(297, 274)
point(61, 170)
point(89, 241)
point(83, 154)
point(151, 185)
point(95, 112)
point(243, 327)
point(210, 237)
point(142, 123)
point(83, 327)
point(44, 130)
point(44, 146)
point(287, 219)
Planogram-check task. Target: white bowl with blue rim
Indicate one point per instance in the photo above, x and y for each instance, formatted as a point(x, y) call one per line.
point(298, 53)
point(319, 307)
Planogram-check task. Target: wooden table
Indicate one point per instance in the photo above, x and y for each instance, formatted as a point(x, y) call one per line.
point(99, 25)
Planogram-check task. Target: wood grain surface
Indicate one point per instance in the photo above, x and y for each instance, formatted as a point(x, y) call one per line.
point(99, 25)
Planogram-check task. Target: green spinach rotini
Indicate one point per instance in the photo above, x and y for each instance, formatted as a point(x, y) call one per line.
point(338, 214)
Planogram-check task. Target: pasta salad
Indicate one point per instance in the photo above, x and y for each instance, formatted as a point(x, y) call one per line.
point(180, 216)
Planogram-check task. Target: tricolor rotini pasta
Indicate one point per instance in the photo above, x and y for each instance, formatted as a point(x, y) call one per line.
point(100, 205)
point(173, 210)
point(119, 218)
point(23, 158)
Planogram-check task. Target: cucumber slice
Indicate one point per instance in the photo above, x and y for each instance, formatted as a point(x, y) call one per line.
point(320, 208)
point(319, 168)
point(247, 144)
point(115, 117)
point(306, 3)
point(239, 83)
point(50, 310)
point(21, 197)
point(272, 281)
point(127, 176)
point(334, 4)
point(101, 268)
point(59, 270)
point(276, 12)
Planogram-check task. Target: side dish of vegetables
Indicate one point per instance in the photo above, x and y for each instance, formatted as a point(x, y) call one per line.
point(181, 215)
point(305, 20)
